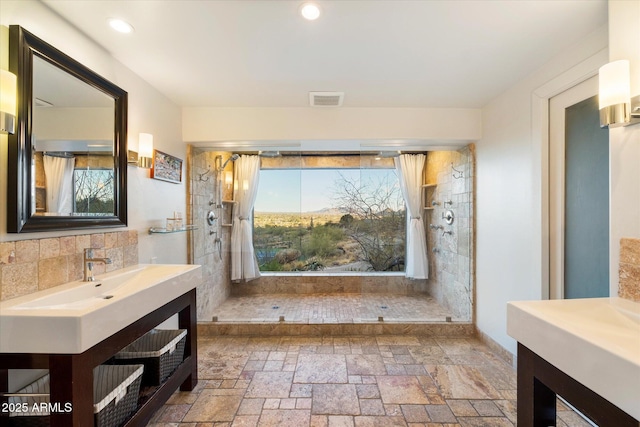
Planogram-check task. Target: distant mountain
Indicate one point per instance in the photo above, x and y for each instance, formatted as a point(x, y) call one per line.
point(324, 211)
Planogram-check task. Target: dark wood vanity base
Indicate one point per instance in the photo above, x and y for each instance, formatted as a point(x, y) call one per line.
point(71, 375)
point(539, 382)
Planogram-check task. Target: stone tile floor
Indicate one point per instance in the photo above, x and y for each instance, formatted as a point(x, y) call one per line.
point(332, 308)
point(348, 381)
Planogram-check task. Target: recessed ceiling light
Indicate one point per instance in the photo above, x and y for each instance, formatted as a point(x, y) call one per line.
point(310, 11)
point(120, 26)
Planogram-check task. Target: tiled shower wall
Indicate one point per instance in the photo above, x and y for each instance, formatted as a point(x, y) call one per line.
point(28, 266)
point(203, 250)
point(451, 256)
point(317, 284)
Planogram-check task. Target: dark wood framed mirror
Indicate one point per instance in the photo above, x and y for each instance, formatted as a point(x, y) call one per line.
point(67, 161)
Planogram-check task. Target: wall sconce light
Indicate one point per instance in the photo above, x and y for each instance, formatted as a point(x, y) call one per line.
point(145, 150)
point(228, 179)
point(8, 85)
point(617, 108)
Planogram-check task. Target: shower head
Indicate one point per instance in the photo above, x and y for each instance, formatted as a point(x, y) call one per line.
point(269, 154)
point(233, 158)
point(61, 154)
point(388, 154)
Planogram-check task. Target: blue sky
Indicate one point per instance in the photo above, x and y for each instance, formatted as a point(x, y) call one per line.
point(306, 190)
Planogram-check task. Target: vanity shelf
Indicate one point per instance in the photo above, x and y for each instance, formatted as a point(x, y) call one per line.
point(161, 230)
point(71, 374)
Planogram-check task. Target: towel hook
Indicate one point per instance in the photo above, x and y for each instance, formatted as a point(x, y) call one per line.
point(455, 173)
point(202, 175)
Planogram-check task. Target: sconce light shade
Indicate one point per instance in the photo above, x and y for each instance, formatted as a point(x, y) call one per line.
point(614, 93)
point(8, 85)
point(145, 150)
point(228, 178)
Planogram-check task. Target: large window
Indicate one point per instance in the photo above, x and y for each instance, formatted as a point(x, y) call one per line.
point(329, 219)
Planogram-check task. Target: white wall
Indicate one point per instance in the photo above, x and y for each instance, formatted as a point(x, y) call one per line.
point(510, 225)
point(241, 124)
point(150, 201)
point(624, 143)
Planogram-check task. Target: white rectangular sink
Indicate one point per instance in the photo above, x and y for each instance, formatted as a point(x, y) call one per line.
point(73, 317)
point(596, 341)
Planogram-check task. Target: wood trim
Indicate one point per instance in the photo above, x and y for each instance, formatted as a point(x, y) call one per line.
point(538, 384)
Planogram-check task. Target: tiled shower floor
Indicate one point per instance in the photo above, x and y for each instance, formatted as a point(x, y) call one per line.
point(333, 308)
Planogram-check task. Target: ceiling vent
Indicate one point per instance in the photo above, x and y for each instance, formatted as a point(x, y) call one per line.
point(42, 103)
point(326, 99)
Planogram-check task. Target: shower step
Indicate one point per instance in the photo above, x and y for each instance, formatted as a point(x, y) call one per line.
point(278, 328)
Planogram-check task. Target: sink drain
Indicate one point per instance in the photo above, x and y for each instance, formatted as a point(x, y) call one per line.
point(275, 307)
point(107, 297)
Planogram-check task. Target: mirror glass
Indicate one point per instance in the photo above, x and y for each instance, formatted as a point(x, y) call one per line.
point(72, 137)
point(67, 162)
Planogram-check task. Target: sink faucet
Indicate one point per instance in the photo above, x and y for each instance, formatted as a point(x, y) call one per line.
point(88, 264)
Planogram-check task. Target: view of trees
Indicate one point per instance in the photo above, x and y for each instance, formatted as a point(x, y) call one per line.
point(362, 230)
point(94, 191)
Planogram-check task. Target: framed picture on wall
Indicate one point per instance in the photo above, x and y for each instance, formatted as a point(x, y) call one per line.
point(166, 167)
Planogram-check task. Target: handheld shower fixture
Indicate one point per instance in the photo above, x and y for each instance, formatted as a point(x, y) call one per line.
point(233, 158)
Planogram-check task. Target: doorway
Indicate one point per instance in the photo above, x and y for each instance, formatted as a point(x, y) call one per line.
point(579, 195)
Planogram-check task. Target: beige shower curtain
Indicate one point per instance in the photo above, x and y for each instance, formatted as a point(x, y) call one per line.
point(244, 264)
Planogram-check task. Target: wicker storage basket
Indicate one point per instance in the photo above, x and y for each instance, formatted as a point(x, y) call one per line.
point(115, 393)
point(159, 350)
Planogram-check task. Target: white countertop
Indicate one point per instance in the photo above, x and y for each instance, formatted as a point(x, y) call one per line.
point(71, 318)
point(596, 341)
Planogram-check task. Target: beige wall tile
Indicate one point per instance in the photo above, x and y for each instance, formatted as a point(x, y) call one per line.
point(30, 265)
point(630, 251)
point(97, 240)
point(130, 255)
point(123, 238)
point(75, 267)
point(19, 279)
point(7, 253)
point(116, 255)
point(82, 241)
point(629, 284)
point(110, 240)
point(67, 245)
point(49, 248)
point(52, 272)
point(27, 251)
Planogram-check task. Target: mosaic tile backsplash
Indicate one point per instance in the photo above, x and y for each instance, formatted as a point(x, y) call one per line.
point(28, 266)
point(629, 285)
